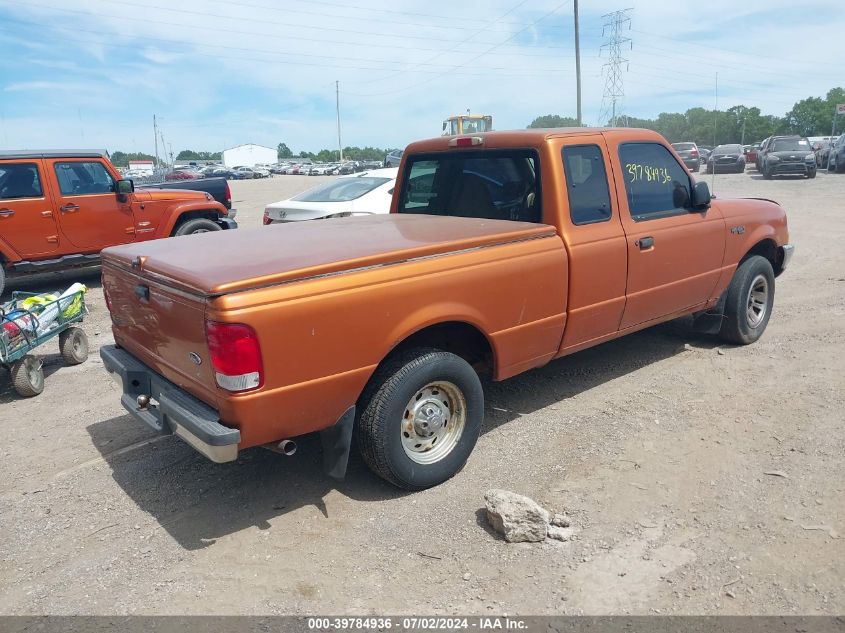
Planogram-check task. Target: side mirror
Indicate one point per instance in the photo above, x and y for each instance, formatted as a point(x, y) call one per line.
point(701, 196)
point(123, 188)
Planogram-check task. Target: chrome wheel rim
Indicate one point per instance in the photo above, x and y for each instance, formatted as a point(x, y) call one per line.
point(433, 422)
point(201, 231)
point(757, 303)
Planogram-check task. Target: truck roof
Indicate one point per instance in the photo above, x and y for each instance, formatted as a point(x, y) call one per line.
point(53, 153)
point(531, 137)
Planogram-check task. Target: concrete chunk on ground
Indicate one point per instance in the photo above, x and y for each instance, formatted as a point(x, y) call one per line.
point(517, 518)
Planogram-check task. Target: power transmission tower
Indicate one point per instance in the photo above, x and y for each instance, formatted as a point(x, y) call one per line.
point(614, 90)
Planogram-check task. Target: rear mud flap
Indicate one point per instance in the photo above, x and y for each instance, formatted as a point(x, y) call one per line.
point(337, 443)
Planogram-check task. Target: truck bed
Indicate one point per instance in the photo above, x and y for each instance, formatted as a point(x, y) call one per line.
point(218, 263)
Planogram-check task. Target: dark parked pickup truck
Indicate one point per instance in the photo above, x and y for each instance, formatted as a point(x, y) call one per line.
point(217, 187)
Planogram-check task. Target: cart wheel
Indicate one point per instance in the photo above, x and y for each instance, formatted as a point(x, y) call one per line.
point(27, 377)
point(73, 344)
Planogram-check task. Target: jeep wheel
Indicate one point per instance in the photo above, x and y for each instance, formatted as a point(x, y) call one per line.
point(28, 377)
point(749, 302)
point(200, 225)
point(73, 344)
point(420, 418)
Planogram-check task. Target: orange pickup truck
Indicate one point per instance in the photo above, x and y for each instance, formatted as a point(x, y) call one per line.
point(502, 252)
point(60, 208)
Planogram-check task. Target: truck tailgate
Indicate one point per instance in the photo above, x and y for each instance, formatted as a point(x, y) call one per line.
point(162, 327)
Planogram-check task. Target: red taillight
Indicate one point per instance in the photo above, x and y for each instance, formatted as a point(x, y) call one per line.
point(466, 141)
point(267, 219)
point(235, 356)
point(228, 194)
point(694, 153)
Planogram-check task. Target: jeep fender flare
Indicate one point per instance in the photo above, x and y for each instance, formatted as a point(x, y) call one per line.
point(175, 212)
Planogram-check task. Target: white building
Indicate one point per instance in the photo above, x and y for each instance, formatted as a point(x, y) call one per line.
point(249, 155)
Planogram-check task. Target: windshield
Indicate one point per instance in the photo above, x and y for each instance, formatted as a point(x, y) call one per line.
point(499, 185)
point(728, 149)
point(683, 146)
point(341, 190)
point(791, 145)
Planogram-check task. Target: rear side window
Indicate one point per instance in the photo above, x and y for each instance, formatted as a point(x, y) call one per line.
point(83, 178)
point(19, 180)
point(586, 184)
point(498, 185)
point(656, 185)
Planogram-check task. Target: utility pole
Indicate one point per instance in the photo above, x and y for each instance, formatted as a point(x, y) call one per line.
point(155, 135)
point(577, 63)
point(337, 101)
point(614, 91)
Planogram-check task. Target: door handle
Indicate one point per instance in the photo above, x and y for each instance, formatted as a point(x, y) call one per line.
point(5, 213)
point(645, 243)
point(69, 208)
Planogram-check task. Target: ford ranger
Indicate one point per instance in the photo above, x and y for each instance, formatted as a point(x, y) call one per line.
point(60, 208)
point(502, 252)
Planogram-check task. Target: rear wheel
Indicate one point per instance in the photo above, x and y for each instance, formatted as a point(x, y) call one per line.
point(749, 302)
point(73, 344)
point(420, 418)
point(28, 377)
point(199, 225)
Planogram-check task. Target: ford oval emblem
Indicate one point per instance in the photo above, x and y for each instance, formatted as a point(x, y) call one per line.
point(195, 358)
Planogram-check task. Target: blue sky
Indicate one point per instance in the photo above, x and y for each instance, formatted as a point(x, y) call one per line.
point(218, 73)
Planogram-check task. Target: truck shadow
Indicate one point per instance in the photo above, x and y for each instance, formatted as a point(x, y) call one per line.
point(572, 375)
point(196, 501)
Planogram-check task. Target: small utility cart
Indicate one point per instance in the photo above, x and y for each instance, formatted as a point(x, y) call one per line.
point(29, 320)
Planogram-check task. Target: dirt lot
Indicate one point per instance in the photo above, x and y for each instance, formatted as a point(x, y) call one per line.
point(657, 446)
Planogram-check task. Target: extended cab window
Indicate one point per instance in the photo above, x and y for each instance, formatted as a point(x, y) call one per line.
point(19, 180)
point(656, 185)
point(83, 178)
point(586, 184)
point(498, 185)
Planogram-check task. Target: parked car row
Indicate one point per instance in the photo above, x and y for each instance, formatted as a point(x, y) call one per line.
point(775, 156)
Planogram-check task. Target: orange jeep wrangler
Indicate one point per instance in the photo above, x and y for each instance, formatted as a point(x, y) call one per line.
point(502, 252)
point(59, 209)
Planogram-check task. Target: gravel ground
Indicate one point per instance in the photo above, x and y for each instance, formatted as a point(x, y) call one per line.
point(656, 445)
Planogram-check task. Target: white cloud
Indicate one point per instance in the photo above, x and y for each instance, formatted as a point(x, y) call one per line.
point(266, 76)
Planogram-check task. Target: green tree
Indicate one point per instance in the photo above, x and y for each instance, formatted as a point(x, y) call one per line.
point(553, 120)
point(189, 154)
point(121, 159)
point(283, 151)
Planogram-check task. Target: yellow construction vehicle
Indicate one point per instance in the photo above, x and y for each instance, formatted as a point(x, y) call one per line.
point(467, 124)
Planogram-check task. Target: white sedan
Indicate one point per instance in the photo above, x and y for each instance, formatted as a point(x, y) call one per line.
point(366, 193)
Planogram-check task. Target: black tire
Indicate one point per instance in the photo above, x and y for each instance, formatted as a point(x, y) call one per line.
point(385, 405)
point(811, 174)
point(767, 174)
point(28, 377)
point(199, 225)
point(737, 325)
point(73, 344)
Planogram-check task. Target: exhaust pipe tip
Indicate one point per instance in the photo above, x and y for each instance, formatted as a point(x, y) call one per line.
point(287, 447)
